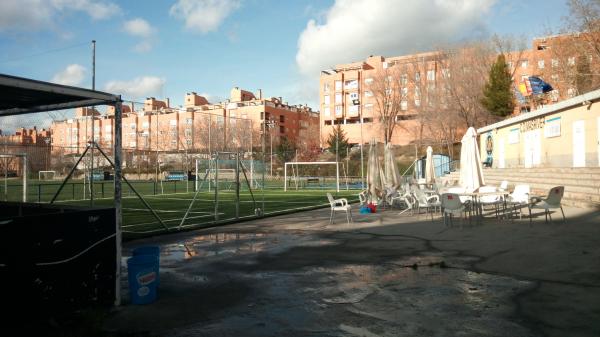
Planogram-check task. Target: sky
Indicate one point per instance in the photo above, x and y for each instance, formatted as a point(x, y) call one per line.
point(168, 48)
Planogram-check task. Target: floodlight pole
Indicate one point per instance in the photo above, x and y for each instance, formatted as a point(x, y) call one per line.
point(118, 205)
point(93, 138)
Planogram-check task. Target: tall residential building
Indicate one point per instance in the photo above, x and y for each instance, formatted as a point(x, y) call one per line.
point(196, 127)
point(35, 144)
point(346, 92)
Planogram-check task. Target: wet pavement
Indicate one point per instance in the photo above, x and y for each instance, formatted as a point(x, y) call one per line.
point(384, 275)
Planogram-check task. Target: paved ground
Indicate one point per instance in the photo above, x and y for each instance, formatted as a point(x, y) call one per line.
point(384, 275)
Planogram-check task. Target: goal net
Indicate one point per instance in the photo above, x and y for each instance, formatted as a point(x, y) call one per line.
point(13, 172)
point(311, 175)
point(46, 175)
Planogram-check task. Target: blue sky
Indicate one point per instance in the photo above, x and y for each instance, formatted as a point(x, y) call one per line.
point(168, 48)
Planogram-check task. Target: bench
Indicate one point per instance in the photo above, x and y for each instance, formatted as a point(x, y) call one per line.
point(312, 180)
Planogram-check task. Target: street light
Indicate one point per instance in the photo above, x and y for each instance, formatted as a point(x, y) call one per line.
point(271, 124)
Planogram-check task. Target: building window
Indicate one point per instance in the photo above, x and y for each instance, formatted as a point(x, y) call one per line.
point(145, 125)
point(351, 84)
point(368, 80)
point(338, 85)
point(385, 65)
point(353, 109)
point(325, 87)
point(173, 122)
point(326, 111)
point(368, 120)
point(571, 61)
point(541, 64)
point(368, 94)
point(555, 95)
point(369, 107)
point(524, 63)
point(417, 76)
point(188, 121)
point(188, 133)
point(338, 98)
point(445, 73)
point(404, 92)
point(510, 65)
point(555, 63)
point(404, 105)
point(554, 78)
point(403, 79)
point(132, 126)
point(326, 99)
point(353, 95)
point(388, 92)
point(281, 118)
point(281, 129)
point(338, 110)
point(431, 75)
point(327, 122)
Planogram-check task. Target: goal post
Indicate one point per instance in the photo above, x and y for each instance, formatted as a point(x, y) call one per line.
point(6, 157)
point(46, 175)
point(296, 163)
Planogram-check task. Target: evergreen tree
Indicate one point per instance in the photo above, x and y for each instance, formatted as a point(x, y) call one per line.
point(497, 94)
point(286, 150)
point(338, 142)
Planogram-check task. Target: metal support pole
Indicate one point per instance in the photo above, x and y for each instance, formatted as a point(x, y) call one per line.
point(237, 185)
point(93, 127)
point(264, 134)
point(69, 176)
point(24, 178)
point(118, 205)
point(337, 175)
point(216, 186)
point(285, 177)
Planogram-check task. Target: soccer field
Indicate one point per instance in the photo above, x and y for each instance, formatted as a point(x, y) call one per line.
point(171, 200)
point(171, 208)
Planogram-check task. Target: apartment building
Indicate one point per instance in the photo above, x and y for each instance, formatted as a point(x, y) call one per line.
point(196, 126)
point(346, 96)
point(35, 144)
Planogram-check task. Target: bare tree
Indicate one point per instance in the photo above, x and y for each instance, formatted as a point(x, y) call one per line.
point(388, 96)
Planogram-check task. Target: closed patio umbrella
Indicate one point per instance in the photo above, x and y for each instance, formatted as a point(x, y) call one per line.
point(429, 169)
point(374, 173)
point(392, 174)
point(471, 171)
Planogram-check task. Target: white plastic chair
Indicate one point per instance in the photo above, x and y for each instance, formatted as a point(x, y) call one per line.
point(552, 201)
point(493, 200)
point(339, 205)
point(426, 202)
point(363, 197)
point(518, 198)
point(452, 205)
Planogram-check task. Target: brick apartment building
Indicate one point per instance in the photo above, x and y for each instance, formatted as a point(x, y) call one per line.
point(34, 143)
point(346, 96)
point(196, 127)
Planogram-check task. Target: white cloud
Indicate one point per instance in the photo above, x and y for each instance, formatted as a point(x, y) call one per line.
point(24, 15)
point(97, 10)
point(143, 46)
point(73, 74)
point(203, 15)
point(139, 87)
point(354, 29)
point(138, 27)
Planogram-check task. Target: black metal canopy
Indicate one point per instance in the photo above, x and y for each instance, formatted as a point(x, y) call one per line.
point(22, 95)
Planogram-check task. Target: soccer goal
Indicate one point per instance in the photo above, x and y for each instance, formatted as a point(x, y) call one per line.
point(297, 179)
point(46, 175)
point(13, 165)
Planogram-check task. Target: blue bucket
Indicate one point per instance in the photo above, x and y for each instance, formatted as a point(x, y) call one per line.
point(152, 251)
point(143, 278)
